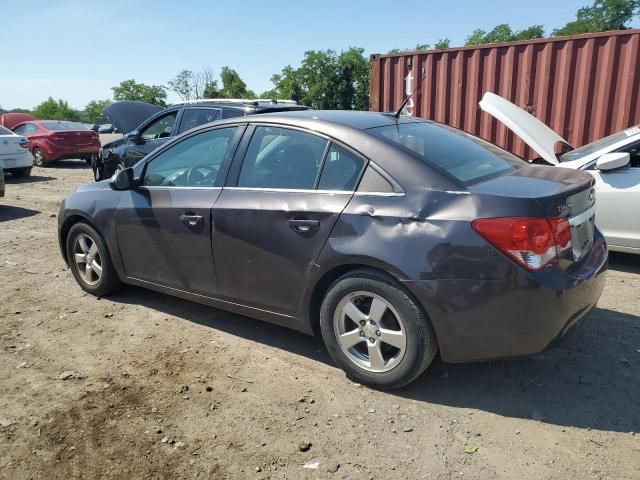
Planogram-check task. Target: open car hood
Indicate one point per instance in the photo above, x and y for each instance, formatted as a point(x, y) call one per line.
point(127, 115)
point(534, 133)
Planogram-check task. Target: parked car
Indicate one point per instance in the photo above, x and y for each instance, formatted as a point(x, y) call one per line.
point(11, 119)
point(51, 140)
point(107, 128)
point(393, 237)
point(150, 126)
point(15, 157)
point(613, 161)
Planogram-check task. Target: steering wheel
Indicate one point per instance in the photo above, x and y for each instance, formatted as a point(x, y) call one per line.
point(202, 175)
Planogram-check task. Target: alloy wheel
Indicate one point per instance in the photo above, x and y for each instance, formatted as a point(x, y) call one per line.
point(87, 258)
point(38, 157)
point(370, 331)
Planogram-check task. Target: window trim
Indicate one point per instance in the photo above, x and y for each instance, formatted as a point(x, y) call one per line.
point(224, 166)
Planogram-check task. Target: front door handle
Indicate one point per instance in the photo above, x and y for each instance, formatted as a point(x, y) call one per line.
point(191, 219)
point(303, 224)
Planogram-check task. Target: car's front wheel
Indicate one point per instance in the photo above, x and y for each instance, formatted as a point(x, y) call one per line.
point(90, 261)
point(375, 330)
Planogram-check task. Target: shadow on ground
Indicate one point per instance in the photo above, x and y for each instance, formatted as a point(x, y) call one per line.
point(8, 212)
point(69, 164)
point(589, 380)
point(624, 262)
point(11, 180)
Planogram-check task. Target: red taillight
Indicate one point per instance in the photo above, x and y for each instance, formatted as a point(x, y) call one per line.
point(532, 242)
point(54, 137)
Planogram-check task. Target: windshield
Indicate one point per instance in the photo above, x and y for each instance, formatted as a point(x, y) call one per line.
point(603, 143)
point(63, 126)
point(467, 158)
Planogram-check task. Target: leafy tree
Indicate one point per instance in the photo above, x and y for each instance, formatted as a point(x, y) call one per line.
point(353, 80)
point(211, 90)
point(93, 111)
point(131, 90)
point(442, 44)
point(51, 109)
point(287, 85)
point(602, 16)
point(421, 46)
point(233, 86)
point(504, 33)
point(319, 77)
point(182, 84)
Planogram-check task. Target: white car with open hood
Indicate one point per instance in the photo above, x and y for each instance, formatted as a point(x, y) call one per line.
point(614, 161)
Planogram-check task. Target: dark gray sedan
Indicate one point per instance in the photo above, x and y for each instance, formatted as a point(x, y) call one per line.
point(396, 238)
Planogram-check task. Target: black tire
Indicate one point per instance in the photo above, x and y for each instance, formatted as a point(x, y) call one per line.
point(421, 345)
point(38, 158)
point(108, 281)
point(21, 172)
point(88, 160)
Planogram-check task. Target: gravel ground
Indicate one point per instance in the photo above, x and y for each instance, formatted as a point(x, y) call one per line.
point(142, 385)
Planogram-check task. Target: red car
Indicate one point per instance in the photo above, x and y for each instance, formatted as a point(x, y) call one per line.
point(51, 140)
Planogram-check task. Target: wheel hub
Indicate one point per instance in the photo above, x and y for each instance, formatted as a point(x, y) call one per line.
point(370, 330)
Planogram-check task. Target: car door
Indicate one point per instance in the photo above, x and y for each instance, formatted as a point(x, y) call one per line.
point(272, 219)
point(152, 135)
point(617, 195)
point(164, 226)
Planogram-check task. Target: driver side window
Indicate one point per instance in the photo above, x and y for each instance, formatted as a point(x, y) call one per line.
point(160, 128)
point(193, 162)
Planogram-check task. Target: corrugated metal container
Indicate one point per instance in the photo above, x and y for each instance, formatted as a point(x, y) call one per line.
point(584, 86)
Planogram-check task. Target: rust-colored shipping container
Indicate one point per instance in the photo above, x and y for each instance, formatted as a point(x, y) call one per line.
point(584, 86)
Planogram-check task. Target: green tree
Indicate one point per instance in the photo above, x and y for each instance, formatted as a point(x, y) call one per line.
point(287, 85)
point(131, 90)
point(442, 44)
point(211, 90)
point(182, 84)
point(602, 16)
point(422, 46)
point(504, 33)
point(233, 86)
point(93, 111)
point(51, 109)
point(318, 74)
point(353, 80)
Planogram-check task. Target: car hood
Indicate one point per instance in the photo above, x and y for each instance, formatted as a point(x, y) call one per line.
point(128, 114)
point(534, 133)
point(93, 187)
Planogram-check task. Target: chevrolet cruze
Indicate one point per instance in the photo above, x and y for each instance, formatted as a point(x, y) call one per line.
point(392, 237)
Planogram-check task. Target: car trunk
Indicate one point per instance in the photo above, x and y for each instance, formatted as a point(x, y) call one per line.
point(71, 138)
point(551, 193)
point(10, 146)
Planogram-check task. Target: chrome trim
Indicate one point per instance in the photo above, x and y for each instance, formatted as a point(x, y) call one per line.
point(583, 217)
point(290, 190)
point(379, 194)
point(161, 187)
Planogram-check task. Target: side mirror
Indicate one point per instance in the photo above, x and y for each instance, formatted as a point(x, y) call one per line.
point(123, 180)
point(134, 137)
point(611, 161)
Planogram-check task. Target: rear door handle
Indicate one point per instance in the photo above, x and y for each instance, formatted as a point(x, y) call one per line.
point(303, 224)
point(191, 219)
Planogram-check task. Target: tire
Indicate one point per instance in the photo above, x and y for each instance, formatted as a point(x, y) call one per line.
point(84, 240)
point(402, 316)
point(38, 158)
point(21, 172)
point(88, 160)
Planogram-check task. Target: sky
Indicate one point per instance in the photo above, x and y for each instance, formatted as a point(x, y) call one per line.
point(78, 49)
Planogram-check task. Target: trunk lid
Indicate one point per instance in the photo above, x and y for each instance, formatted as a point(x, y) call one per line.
point(74, 138)
point(534, 133)
point(10, 146)
point(127, 115)
point(552, 193)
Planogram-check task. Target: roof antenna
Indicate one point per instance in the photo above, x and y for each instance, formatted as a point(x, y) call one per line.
point(404, 104)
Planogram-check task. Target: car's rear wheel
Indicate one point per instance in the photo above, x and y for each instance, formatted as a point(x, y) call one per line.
point(375, 330)
point(21, 172)
point(90, 261)
point(38, 158)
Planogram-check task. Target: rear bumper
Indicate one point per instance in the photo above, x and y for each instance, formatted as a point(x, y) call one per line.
point(18, 161)
point(61, 152)
point(520, 315)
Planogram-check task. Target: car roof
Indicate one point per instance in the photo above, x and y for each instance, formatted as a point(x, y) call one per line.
point(244, 105)
point(360, 120)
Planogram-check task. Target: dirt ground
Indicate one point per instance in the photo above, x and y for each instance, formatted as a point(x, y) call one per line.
point(143, 385)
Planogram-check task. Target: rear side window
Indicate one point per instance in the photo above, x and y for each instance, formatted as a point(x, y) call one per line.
point(465, 157)
point(194, 117)
point(341, 170)
point(282, 158)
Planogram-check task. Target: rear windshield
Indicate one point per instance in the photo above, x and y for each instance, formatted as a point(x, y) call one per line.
point(466, 158)
point(62, 126)
point(4, 131)
point(600, 144)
